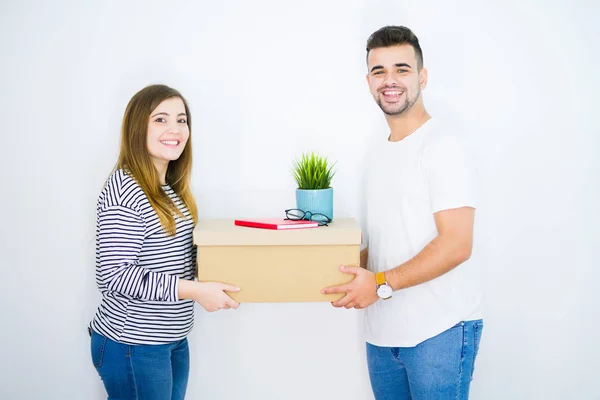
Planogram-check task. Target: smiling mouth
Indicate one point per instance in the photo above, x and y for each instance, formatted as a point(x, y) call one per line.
point(170, 142)
point(392, 92)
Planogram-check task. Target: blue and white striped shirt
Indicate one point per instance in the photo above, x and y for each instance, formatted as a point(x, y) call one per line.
point(138, 267)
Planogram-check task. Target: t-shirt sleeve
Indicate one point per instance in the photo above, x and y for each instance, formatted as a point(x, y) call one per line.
point(450, 174)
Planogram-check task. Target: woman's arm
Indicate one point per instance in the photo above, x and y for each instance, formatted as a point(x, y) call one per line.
point(120, 236)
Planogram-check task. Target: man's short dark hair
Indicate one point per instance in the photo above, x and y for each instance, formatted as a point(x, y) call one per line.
point(395, 36)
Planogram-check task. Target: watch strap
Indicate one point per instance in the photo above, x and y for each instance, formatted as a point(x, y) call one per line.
point(380, 278)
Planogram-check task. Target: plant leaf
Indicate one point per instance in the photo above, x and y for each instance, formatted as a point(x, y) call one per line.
point(312, 171)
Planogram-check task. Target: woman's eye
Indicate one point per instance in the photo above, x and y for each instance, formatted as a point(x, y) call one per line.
point(159, 119)
point(182, 121)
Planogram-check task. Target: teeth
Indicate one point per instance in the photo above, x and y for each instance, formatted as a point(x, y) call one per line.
point(388, 93)
point(170, 142)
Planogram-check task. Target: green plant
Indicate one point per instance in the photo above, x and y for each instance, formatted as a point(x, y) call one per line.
point(313, 172)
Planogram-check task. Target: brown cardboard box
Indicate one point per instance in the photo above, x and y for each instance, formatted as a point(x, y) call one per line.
point(277, 266)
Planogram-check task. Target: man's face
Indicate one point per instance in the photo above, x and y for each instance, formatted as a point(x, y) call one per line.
point(394, 80)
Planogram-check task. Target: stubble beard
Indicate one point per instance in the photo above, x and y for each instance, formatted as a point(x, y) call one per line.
point(397, 109)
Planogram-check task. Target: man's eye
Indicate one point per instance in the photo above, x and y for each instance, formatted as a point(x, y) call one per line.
point(402, 71)
point(377, 72)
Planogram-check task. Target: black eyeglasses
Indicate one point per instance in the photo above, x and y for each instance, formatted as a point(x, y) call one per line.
point(294, 214)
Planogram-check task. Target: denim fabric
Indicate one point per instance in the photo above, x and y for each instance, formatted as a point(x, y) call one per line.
point(440, 368)
point(145, 372)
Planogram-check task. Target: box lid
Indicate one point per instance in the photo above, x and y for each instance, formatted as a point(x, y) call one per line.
point(222, 232)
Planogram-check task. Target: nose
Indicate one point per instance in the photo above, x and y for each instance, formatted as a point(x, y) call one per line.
point(389, 80)
point(174, 130)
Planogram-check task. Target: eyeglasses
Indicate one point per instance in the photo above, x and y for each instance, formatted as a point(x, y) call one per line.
point(294, 214)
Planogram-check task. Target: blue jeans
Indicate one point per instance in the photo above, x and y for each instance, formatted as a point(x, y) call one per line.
point(145, 372)
point(440, 368)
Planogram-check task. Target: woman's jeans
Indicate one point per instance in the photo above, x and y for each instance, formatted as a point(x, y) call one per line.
point(439, 368)
point(145, 372)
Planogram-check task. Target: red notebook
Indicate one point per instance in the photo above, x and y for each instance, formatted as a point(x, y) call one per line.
point(275, 223)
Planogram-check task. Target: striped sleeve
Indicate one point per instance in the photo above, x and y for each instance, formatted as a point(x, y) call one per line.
point(195, 260)
point(120, 238)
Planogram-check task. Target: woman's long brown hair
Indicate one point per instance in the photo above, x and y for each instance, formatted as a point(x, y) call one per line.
point(135, 158)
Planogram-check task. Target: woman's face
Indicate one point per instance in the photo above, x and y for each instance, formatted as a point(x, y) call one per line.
point(168, 131)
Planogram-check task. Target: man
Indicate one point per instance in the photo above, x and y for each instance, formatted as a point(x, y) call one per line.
point(422, 318)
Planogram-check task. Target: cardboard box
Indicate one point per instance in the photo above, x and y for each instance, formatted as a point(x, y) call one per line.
point(274, 265)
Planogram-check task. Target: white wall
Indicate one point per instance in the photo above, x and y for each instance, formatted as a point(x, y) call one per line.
point(267, 80)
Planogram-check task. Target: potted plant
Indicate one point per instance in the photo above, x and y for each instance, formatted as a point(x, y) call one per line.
point(314, 194)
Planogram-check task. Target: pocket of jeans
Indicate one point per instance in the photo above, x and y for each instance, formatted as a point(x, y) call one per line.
point(477, 329)
point(98, 343)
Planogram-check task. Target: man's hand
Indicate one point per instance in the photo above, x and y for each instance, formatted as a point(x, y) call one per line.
point(360, 293)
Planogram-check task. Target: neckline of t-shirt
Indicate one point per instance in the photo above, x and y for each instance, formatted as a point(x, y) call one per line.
point(418, 133)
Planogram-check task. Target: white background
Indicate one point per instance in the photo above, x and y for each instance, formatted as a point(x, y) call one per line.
point(267, 80)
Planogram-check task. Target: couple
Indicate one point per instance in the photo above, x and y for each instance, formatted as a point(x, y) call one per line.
point(422, 304)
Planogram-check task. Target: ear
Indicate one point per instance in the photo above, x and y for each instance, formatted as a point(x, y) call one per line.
point(423, 78)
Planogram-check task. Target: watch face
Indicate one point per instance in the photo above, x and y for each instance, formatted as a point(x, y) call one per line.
point(384, 291)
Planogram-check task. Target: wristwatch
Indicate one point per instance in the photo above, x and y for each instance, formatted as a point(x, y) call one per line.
point(383, 289)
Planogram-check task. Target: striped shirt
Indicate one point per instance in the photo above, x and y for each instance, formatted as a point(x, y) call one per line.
point(138, 267)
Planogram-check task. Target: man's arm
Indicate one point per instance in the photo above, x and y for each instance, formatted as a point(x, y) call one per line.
point(364, 256)
point(451, 247)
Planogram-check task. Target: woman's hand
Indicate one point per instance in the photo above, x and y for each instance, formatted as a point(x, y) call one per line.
point(210, 295)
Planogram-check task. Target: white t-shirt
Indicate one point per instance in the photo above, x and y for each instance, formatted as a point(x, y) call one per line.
point(406, 183)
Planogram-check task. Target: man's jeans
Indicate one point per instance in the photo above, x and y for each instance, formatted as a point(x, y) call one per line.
point(440, 368)
point(148, 372)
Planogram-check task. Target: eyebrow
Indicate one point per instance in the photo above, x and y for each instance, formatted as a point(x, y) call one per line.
point(377, 67)
point(167, 114)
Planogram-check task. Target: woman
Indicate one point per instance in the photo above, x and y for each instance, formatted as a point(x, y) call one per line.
point(145, 259)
